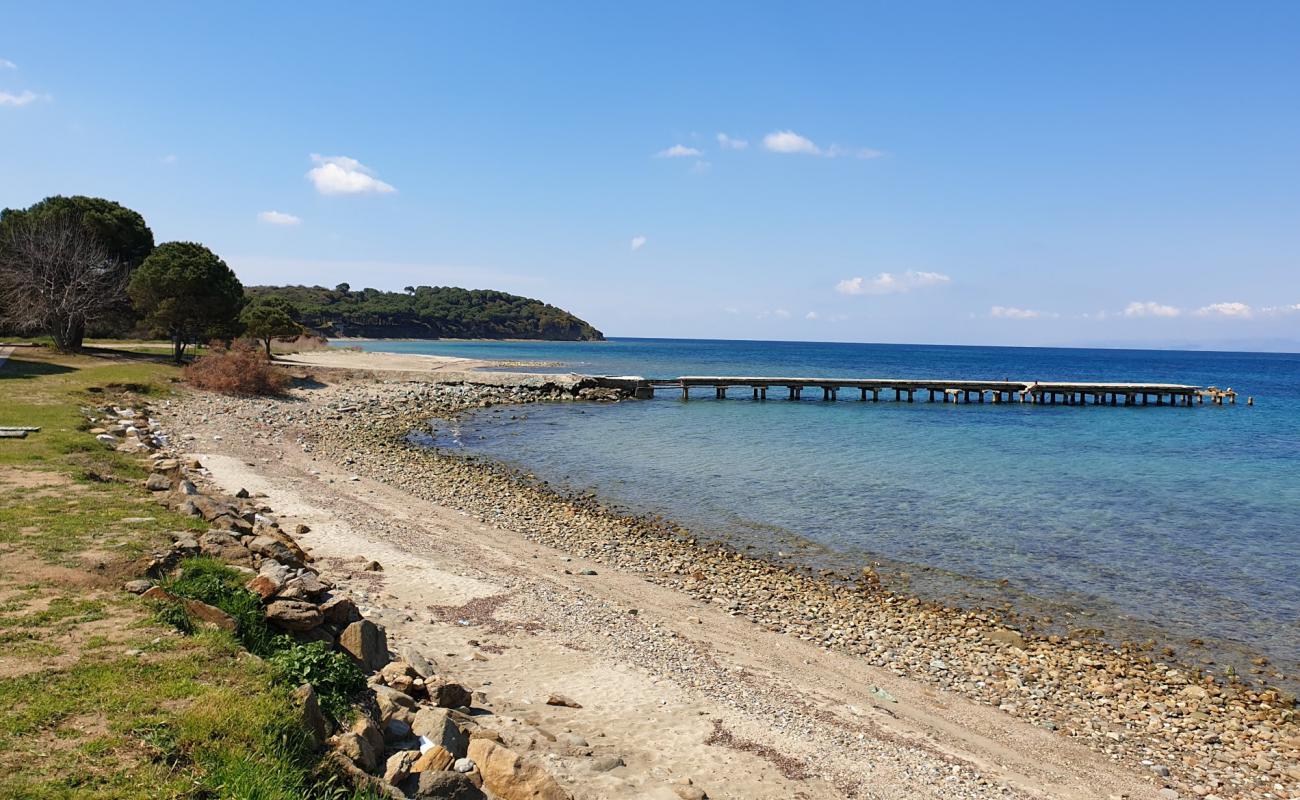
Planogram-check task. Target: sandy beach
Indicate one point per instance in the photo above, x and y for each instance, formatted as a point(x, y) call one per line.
point(694, 662)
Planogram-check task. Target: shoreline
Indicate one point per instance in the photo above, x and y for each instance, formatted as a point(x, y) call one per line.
point(1053, 682)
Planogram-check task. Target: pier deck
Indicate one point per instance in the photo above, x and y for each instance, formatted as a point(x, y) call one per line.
point(955, 391)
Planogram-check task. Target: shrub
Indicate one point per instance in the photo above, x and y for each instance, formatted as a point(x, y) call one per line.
point(240, 369)
point(335, 677)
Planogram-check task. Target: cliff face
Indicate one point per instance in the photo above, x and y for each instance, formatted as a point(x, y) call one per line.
point(429, 312)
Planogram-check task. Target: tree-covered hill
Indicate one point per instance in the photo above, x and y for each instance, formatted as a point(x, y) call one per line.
point(428, 312)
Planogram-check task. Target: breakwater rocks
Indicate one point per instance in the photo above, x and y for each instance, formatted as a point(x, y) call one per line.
point(413, 732)
point(1193, 733)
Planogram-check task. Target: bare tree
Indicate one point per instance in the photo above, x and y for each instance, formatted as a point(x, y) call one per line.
point(57, 278)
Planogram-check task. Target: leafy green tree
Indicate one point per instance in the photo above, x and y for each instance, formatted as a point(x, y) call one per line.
point(186, 292)
point(270, 318)
point(118, 231)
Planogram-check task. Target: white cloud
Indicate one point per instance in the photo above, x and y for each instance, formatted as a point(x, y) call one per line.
point(7, 64)
point(782, 313)
point(638, 242)
point(678, 151)
point(728, 143)
point(1236, 310)
point(1009, 312)
point(278, 218)
point(343, 175)
point(17, 100)
point(811, 315)
point(889, 283)
point(169, 159)
point(790, 142)
point(1150, 309)
point(731, 310)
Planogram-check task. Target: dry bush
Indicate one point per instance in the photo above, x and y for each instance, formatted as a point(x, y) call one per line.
point(243, 368)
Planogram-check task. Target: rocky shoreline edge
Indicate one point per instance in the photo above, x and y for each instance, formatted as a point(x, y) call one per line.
point(1210, 736)
point(413, 732)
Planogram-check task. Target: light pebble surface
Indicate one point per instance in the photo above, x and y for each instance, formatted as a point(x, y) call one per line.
point(1173, 731)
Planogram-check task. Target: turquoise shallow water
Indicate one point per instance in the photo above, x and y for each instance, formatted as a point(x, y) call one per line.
point(1186, 521)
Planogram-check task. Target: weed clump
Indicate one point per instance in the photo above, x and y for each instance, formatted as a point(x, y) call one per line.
point(336, 678)
point(240, 369)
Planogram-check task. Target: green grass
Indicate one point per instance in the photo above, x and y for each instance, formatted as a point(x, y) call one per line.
point(183, 717)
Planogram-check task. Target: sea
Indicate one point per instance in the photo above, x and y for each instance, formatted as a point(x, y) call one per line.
point(1176, 524)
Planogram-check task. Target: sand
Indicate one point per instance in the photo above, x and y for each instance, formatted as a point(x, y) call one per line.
point(674, 687)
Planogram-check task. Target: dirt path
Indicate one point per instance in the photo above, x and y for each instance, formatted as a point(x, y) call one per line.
point(673, 688)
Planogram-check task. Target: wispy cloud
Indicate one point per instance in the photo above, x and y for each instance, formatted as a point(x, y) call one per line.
point(278, 218)
point(790, 142)
point(890, 283)
point(638, 242)
point(7, 64)
point(728, 143)
point(343, 175)
point(1231, 310)
point(782, 313)
point(1150, 309)
point(1011, 312)
point(811, 315)
point(678, 151)
point(18, 100)
point(169, 159)
point(1274, 310)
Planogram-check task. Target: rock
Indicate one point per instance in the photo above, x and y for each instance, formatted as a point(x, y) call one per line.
point(137, 586)
point(463, 765)
point(561, 700)
point(367, 643)
point(304, 697)
point(197, 611)
point(242, 494)
point(300, 529)
point(224, 547)
point(369, 731)
point(373, 566)
point(434, 759)
point(340, 610)
point(607, 763)
point(396, 729)
point(270, 547)
point(441, 786)
point(690, 793)
point(399, 766)
point(422, 666)
point(264, 586)
point(358, 751)
point(449, 695)
point(509, 777)
point(187, 488)
point(1006, 637)
point(186, 545)
point(438, 726)
point(293, 615)
point(390, 701)
point(157, 482)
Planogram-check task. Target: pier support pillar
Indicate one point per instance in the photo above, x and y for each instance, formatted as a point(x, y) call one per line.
point(931, 395)
point(722, 392)
point(762, 393)
point(686, 392)
point(875, 395)
point(898, 395)
point(911, 395)
point(863, 398)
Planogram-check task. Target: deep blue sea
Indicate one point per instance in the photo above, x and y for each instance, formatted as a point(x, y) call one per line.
point(1185, 521)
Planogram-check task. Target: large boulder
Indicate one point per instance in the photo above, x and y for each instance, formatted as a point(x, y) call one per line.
point(293, 615)
point(340, 610)
point(399, 766)
point(200, 612)
point(367, 643)
point(509, 777)
point(440, 727)
point(357, 750)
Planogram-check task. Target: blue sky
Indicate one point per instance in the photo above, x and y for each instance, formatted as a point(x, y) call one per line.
point(1002, 173)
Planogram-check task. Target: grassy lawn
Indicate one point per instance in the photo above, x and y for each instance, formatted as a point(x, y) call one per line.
point(97, 698)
